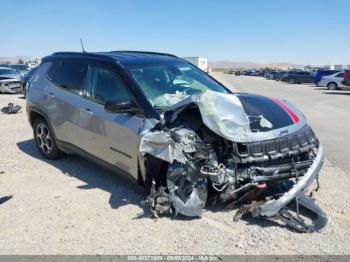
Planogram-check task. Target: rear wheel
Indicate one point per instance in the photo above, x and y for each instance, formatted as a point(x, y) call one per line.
point(45, 140)
point(332, 86)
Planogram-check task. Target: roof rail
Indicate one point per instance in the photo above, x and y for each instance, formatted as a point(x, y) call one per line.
point(100, 55)
point(143, 52)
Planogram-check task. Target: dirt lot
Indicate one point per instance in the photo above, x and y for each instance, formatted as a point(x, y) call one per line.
point(72, 206)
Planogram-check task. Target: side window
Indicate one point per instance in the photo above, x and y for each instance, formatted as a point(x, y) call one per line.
point(340, 75)
point(70, 75)
point(52, 70)
point(104, 85)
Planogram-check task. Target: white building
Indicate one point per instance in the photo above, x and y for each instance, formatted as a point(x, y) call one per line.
point(339, 67)
point(200, 62)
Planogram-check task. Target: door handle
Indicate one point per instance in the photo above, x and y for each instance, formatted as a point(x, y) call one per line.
point(51, 95)
point(87, 110)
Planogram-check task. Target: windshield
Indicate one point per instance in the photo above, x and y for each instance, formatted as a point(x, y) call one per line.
point(9, 71)
point(166, 85)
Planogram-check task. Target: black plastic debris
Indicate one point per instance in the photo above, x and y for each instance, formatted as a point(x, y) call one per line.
point(5, 199)
point(11, 109)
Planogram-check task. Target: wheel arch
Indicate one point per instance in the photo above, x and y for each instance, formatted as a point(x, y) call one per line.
point(35, 113)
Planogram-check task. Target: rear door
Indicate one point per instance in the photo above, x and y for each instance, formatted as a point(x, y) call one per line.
point(64, 100)
point(309, 77)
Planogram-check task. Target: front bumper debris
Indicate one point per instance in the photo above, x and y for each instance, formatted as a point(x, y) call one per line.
point(272, 207)
point(296, 201)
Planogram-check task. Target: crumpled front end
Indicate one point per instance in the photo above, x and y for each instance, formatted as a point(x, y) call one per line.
point(254, 154)
point(11, 86)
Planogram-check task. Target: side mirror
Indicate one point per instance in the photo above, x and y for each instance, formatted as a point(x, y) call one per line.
point(121, 106)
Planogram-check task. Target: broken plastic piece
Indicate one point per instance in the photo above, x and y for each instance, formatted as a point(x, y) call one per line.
point(11, 109)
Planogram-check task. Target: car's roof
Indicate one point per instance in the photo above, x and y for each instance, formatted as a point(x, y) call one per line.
point(125, 58)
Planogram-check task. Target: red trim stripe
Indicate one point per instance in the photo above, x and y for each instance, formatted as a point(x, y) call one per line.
point(287, 109)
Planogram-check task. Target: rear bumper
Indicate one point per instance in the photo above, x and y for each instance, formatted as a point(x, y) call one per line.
point(272, 207)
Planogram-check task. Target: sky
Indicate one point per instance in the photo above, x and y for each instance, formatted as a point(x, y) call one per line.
point(262, 31)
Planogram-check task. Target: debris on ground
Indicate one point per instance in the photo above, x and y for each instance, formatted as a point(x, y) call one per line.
point(11, 109)
point(5, 199)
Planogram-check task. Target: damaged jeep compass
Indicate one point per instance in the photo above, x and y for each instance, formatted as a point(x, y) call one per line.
point(183, 135)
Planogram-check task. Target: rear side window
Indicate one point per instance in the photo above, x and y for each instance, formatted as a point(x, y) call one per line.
point(52, 70)
point(69, 75)
point(340, 75)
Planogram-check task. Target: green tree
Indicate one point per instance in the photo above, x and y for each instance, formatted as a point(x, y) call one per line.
point(20, 61)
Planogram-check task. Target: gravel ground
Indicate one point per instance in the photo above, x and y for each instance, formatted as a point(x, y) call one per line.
point(72, 206)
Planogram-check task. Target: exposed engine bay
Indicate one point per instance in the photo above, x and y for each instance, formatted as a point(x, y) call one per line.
point(260, 159)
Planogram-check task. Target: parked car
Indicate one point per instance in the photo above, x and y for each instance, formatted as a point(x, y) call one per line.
point(323, 72)
point(24, 81)
point(161, 121)
point(21, 68)
point(346, 81)
point(269, 74)
point(279, 75)
point(298, 77)
point(333, 82)
point(9, 81)
point(254, 73)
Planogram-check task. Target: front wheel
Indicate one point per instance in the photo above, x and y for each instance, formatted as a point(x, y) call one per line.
point(45, 140)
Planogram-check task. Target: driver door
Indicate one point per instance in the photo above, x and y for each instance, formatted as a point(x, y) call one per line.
point(113, 136)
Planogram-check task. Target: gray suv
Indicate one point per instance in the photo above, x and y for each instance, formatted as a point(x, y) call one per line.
point(183, 135)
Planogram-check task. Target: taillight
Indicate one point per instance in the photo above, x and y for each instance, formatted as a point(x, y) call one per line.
point(346, 74)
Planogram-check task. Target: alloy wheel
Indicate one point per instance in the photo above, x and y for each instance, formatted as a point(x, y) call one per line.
point(44, 138)
point(332, 86)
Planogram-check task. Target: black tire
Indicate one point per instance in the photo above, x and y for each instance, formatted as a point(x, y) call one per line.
point(45, 140)
point(292, 81)
point(332, 86)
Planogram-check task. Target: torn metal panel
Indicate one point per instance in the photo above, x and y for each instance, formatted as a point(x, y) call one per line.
point(224, 115)
point(161, 145)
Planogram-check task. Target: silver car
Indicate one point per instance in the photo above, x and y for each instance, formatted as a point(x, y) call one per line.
point(161, 121)
point(333, 82)
point(9, 81)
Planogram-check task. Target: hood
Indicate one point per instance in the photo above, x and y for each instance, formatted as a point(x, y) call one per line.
point(243, 117)
point(9, 76)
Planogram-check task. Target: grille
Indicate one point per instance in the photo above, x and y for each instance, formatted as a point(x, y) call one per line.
point(293, 144)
